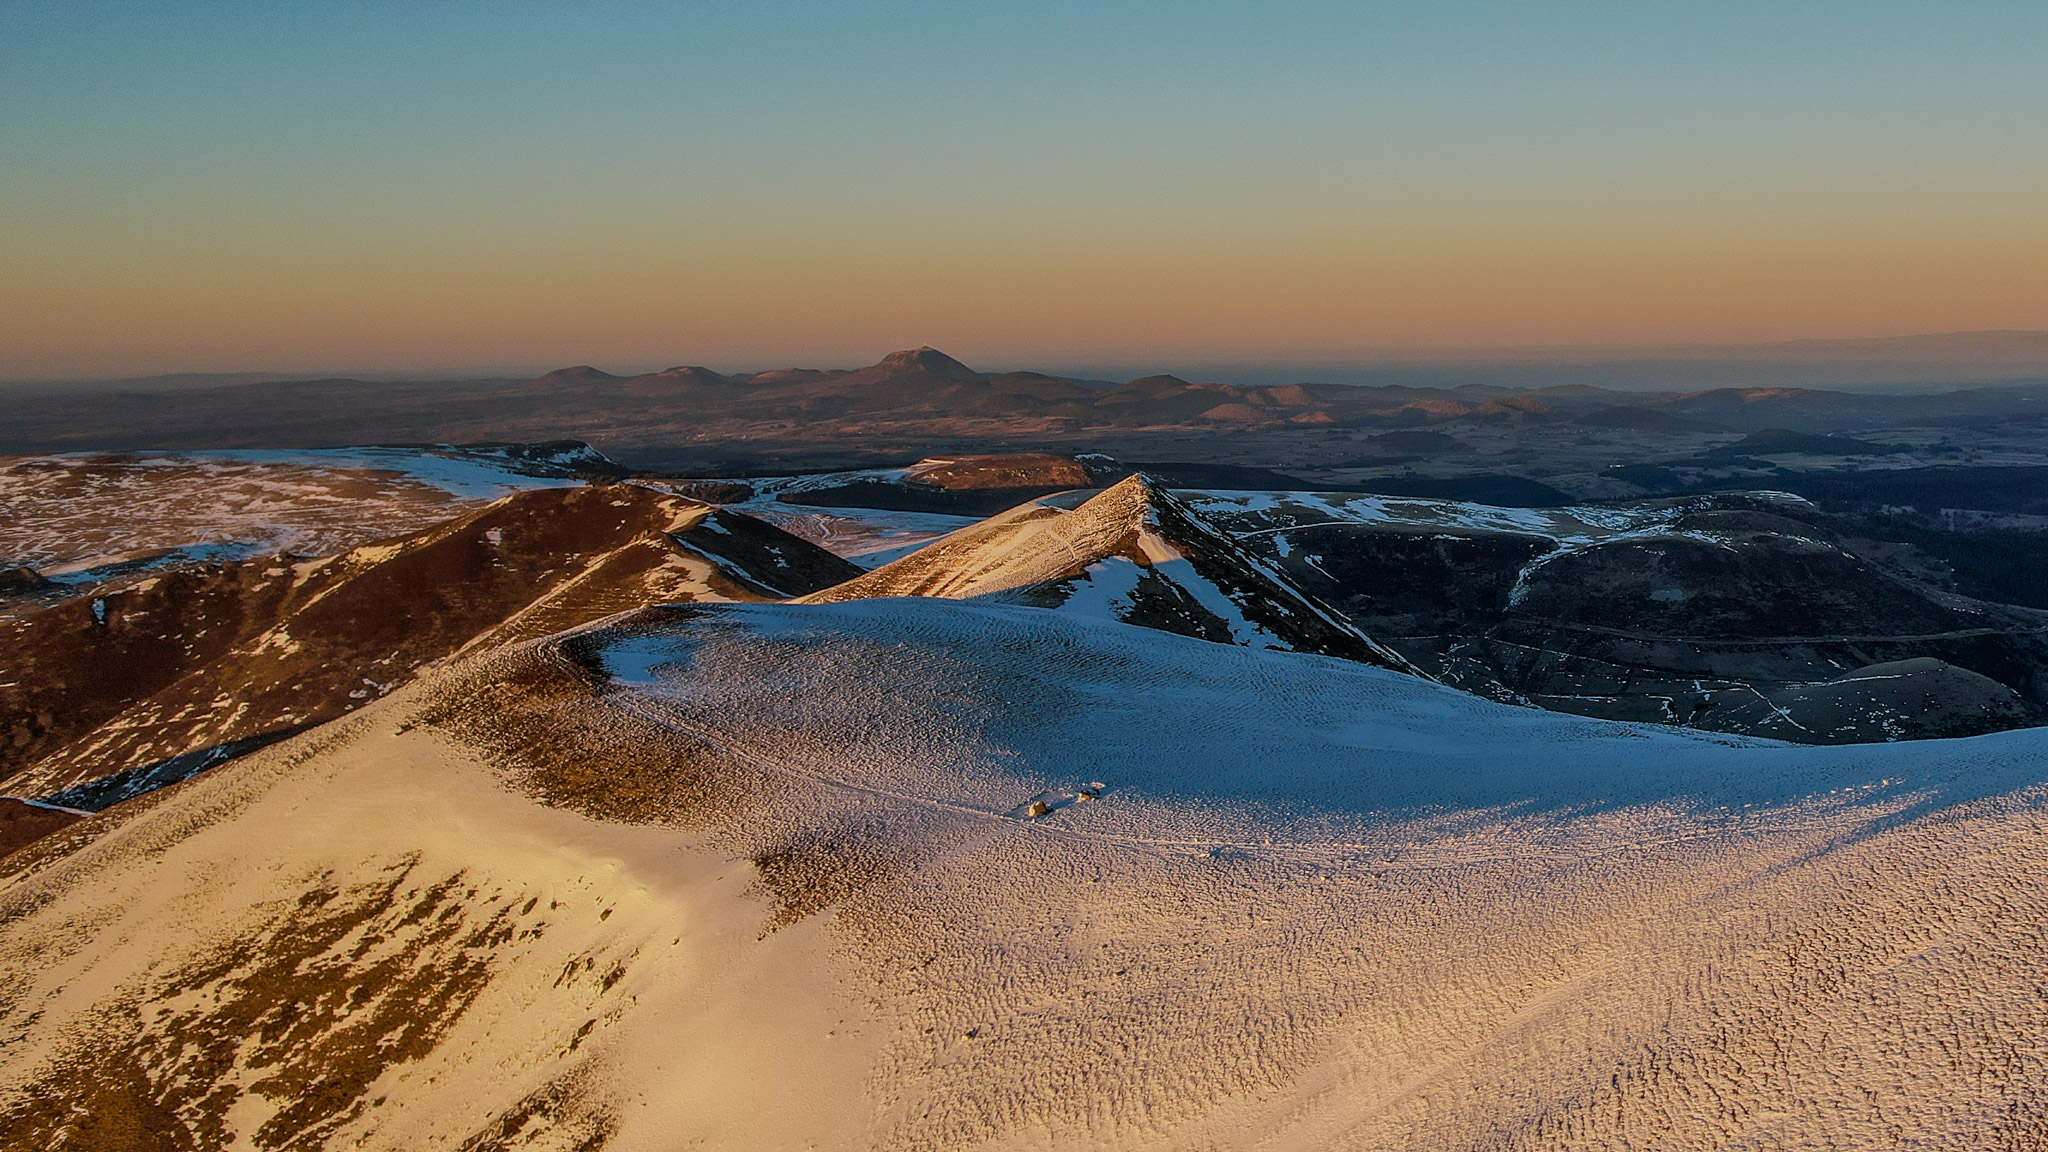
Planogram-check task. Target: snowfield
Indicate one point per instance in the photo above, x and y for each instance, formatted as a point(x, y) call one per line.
point(72, 516)
point(993, 704)
point(928, 874)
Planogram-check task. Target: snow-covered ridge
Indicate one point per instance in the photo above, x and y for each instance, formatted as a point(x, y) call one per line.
point(1130, 553)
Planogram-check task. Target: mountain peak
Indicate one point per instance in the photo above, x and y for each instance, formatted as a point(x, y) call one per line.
point(690, 374)
point(1133, 553)
point(924, 361)
point(580, 374)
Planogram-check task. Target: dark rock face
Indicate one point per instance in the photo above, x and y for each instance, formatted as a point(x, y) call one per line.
point(23, 582)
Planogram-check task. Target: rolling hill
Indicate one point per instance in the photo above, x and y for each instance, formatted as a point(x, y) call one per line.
point(920, 873)
point(114, 695)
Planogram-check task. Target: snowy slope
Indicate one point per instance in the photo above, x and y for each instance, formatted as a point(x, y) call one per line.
point(775, 876)
point(74, 516)
point(1310, 740)
point(1131, 553)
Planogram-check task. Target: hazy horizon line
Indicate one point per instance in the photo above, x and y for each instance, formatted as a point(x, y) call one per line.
point(1917, 354)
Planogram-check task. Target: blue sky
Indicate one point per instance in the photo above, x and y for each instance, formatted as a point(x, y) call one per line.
point(233, 184)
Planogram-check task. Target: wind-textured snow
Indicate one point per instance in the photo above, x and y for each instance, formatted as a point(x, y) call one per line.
point(1020, 880)
point(1298, 739)
point(1323, 905)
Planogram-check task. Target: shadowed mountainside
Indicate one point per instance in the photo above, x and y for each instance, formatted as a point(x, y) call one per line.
point(1737, 612)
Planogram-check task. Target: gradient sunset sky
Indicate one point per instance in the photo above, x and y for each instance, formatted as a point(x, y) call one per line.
point(222, 186)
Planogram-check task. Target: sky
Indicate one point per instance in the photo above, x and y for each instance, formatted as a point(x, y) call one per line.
point(357, 184)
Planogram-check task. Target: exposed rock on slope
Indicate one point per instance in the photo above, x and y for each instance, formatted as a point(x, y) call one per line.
point(146, 686)
point(1131, 553)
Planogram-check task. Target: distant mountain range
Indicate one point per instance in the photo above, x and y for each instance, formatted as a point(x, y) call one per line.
point(1928, 363)
point(1932, 362)
point(914, 398)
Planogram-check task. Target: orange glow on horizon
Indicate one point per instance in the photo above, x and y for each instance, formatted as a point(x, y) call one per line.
point(317, 305)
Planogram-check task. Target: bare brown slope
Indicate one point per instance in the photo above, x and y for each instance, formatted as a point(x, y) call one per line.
point(22, 823)
point(195, 666)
